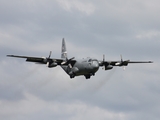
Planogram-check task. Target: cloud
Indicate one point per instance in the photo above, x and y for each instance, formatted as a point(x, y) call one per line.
point(90, 28)
point(149, 35)
point(41, 109)
point(70, 5)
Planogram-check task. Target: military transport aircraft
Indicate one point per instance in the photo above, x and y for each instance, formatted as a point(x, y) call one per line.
point(87, 67)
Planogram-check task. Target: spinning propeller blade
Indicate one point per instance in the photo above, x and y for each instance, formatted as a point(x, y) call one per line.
point(50, 54)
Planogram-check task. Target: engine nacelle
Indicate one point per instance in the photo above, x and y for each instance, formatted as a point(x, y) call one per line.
point(118, 64)
point(108, 67)
point(53, 64)
point(44, 60)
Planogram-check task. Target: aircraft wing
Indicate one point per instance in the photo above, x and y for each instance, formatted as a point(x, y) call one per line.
point(44, 60)
point(123, 63)
point(41, 60)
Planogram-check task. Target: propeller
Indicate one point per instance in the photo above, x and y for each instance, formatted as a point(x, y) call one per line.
point(49, 54)
point(121, 59)
point(105, 65)
point(101, 63)
point(121, 63)
point(103, 68)
point(103, 58)
point(68, 62)
point(48, 59)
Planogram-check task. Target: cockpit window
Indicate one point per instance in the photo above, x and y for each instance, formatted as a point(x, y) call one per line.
point(95, 62)
point(90, 60)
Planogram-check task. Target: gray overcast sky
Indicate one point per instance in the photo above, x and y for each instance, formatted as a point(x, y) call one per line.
point(91, 28)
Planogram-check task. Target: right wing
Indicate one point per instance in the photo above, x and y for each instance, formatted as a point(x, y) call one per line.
point(41, 60)
point(31, 59)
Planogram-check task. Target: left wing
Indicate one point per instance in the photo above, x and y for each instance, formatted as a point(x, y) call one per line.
point(124, 63)
point(109, 64)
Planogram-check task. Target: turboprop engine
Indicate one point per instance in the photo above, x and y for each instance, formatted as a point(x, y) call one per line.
point(51, 64)
point(108, 67)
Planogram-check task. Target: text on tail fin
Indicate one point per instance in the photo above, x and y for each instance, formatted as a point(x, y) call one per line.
point(64, 50)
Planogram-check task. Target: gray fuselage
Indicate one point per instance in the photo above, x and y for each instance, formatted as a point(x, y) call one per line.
point(86, 67)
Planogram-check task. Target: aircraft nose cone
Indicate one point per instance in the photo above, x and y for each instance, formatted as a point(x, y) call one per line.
point(96, 66)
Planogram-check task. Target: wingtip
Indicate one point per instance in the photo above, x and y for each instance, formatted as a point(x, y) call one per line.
point(9, 55)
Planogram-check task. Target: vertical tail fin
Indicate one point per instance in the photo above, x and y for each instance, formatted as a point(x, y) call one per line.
point(64, 50)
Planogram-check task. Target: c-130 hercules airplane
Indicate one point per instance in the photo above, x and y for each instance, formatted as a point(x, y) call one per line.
point(87, 67)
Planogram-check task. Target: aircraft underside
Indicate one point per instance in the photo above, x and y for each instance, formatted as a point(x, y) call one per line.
point(74, 71)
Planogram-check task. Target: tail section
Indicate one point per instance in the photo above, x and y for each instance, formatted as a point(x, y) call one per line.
point(64, 50)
